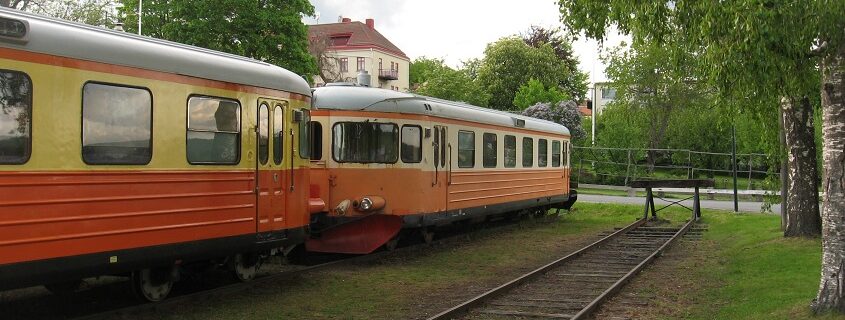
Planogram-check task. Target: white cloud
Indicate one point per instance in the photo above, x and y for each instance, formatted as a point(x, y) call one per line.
point(458, 30)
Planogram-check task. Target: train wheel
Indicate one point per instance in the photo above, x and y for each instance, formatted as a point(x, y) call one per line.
point(427, 235)
point(153, 284)
point(245, 266)
point(63, 288)
point(392, 244)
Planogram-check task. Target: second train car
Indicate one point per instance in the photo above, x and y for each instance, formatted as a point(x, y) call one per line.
point(384, 161)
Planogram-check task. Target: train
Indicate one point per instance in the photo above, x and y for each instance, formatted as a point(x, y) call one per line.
point(138, 157)
point(387, 162)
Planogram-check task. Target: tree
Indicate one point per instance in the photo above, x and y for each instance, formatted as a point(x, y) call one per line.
point(745, 50)
point(15, 4)
point(328, 64)
point(564, 112)
point(535, 92)
point(538, 36)
point(422, 68)
point(453, 85)
point(270, 31)
point(763, 49)
point(510, 63)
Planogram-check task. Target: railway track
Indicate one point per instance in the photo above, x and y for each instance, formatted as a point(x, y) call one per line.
point(574, 286)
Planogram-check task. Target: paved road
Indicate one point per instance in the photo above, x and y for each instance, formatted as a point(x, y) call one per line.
point(744, 206)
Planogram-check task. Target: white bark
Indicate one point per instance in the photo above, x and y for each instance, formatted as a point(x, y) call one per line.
point(832, 284)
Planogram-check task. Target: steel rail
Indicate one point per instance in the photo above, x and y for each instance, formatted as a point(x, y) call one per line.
point(590, 308)
point(480, 299)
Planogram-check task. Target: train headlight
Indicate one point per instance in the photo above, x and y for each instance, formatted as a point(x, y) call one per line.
point(365, 204)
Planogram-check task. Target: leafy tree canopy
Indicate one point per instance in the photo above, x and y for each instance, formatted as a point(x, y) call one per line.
point(270, 31)
point(422, 68)
point(510, 63)
point(535, 92)
point(453, 85)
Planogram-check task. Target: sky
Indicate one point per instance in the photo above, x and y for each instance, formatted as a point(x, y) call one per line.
point(458, 30)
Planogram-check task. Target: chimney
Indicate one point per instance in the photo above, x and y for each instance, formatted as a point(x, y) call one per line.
point(346, 20)
point(371, 23)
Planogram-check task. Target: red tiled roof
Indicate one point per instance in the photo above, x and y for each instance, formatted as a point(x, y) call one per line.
point(360, 36)
point(585, 111)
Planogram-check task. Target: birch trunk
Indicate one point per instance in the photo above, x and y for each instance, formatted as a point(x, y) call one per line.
point(832, 284)
point(802, 197)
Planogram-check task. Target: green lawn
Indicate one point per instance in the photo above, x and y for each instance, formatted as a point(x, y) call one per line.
point(761, 274)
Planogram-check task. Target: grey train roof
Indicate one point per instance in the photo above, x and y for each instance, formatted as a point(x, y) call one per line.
point(346, 97)
point(80, 41)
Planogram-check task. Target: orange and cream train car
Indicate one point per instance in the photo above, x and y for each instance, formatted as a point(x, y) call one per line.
point(128, 155)
point(386, 161)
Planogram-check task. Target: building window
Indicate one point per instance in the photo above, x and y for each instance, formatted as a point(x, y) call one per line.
point(542, 153)
point(392, 66)
point(411, 144)
point(278, 134)
point(361, 65)
point(608, 93)
point(304, 135)
point(116, 124)
point(379, 64)
point(15, 117)
point(555, 153)
point(214, 130)
point(491, 146)
point(316, 140)
point(527, 152)
point(344, 64)
point(466, 149)
point(365, 142)
point(510, 151)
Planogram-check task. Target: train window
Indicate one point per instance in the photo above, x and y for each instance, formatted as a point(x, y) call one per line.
point(510, 151)
point(491, 148)
point(214, 130)
point(304, 135)
point(278, 134)
point(566, 151)
point(542, 153)
point(443, 147)
point(365, 142)
point(466, 149)
point(263, 133)
point(555, 153)
point(316, 140)
point(15, 117)
point(411, 144)
point(527, 152)
point(116, 124)
point(436, 146)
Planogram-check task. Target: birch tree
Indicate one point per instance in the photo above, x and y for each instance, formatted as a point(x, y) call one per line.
point(761, 48)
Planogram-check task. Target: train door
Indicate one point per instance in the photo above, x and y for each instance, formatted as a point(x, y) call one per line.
point(442, 159)
point(269, 164)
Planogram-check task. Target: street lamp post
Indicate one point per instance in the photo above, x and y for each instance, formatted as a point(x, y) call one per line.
point(140, 13)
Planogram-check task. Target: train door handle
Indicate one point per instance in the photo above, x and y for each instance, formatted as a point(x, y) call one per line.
point(275, 177)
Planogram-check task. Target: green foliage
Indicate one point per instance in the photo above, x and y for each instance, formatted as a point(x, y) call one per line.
point(432, 77)
point(510, 63)
point(453, 85)
point(270, 31)
point(422, 68)
point(535, 92)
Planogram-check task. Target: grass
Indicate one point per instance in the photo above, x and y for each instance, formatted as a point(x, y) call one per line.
point(763, 274)
point(742, 269)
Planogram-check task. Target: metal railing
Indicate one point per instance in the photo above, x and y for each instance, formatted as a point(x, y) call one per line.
point(620, 166)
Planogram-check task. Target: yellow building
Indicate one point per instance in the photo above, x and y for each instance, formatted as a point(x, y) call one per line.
point(343, 49)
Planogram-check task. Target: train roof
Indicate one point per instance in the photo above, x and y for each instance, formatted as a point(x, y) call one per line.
point(348, 97)
point(80, 41)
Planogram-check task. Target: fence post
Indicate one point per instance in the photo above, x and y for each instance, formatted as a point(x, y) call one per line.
point(733, 158)
point(689, 164)
point(628, 168)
